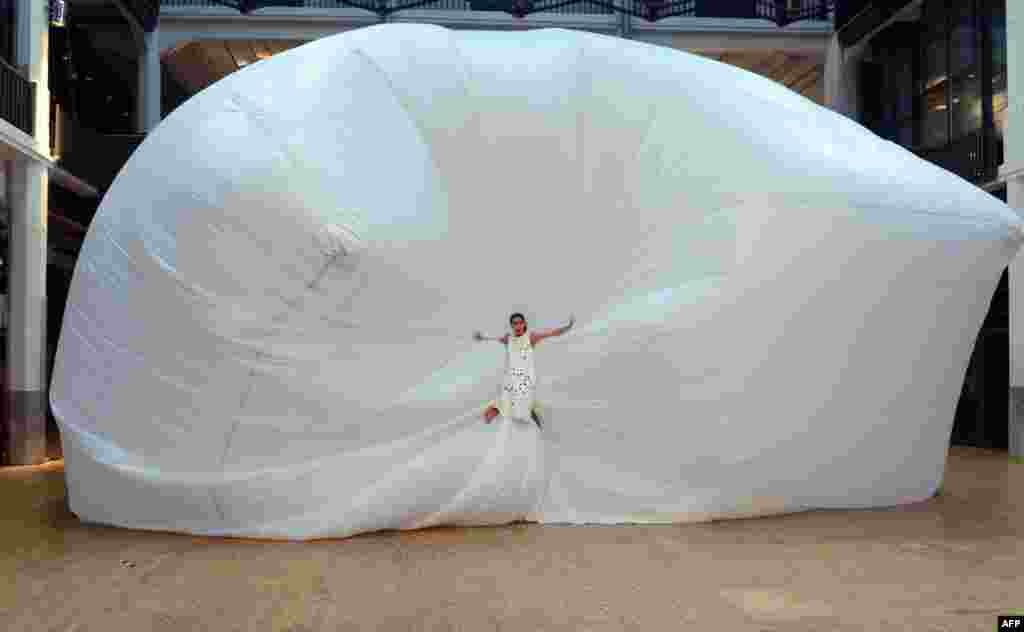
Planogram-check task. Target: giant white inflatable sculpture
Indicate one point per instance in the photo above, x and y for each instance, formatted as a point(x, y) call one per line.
point(269, 329)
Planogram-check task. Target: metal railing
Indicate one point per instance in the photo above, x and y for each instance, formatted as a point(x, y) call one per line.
point(780, 12)
point(17, 102)
point(390, 6)
point(786, 12)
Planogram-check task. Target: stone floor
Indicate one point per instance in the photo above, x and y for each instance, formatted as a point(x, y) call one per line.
point(952, 563)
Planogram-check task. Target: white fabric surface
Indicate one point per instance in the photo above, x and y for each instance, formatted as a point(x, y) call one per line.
point(269, 328)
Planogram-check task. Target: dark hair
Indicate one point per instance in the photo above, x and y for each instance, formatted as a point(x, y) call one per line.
point(515, 316)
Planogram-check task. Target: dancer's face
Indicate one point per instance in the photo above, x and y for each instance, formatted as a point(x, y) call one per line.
point(518, 326)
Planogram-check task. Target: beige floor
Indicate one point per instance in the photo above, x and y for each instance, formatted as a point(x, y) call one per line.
point(952, 563)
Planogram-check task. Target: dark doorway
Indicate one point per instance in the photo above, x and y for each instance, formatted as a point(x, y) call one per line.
point(982, 412)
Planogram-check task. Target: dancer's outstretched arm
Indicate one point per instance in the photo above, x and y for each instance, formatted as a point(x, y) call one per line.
point(551, 333)
point(479, 337)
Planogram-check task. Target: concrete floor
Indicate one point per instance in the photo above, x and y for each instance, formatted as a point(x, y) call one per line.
point(952, 563)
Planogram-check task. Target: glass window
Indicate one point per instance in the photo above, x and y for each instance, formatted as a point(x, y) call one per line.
point(934, 11)
point(933, 19)
point(905, 134)
point(997, 25)
point(7, 26)
point(935, 40)
point(997, 32)
point(934, 122)
point(933, 64)
point(964, 43)
point(900, 78)
point(999, 104)
point(966, 106)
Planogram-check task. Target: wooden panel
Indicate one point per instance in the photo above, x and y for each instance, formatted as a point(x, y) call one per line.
point(280, 46)
point(707, 54)
point(208, 69)
point(746, 61)
point(222, 63)
point(807, 81)
point(190, 66)
point(816, 92)
point(241, 52)
point(174, 61)
point(774, 65)
point(198, 64)
point(262, 49)
point(797, 70)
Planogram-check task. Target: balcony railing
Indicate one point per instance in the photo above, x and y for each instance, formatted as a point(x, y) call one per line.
point(16, 98)
point(781, 12)
point(392, 6)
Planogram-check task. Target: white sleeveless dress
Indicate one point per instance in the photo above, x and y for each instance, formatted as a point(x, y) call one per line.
point(520, 385)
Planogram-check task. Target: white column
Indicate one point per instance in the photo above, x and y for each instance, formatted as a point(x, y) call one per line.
point(833, 74)
point(26, 339)
point(147, 109)
point(1013, 166)
point(1015, 198)
point(840, 78)
point(624, 26)
point(28, 186)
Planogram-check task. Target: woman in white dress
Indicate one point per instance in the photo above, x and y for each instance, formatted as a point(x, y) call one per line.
point(517, 400)
point(497, 474)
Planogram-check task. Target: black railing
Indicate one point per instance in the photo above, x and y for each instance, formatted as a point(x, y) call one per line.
point(787, 12)
point(578, 8)
point(16, 98)
point(781, 12)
